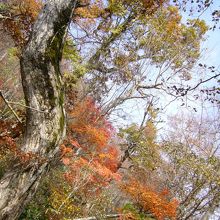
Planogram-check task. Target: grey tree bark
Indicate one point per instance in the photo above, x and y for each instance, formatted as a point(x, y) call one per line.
point(43, 89)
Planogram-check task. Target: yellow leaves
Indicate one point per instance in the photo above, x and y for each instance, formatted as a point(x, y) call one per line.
point(167, 35)
point(121, 60)
point(102, 156)
point(62, 203)
point(117, 7)
point(31, 7)
point(92, 11)
point(147, 151)
point(150, 132)
point(143, 7)
point(199, 25)
point(98, 136)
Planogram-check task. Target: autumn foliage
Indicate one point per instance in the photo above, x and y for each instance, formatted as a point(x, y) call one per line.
point(105, 46)
point(19, 18)
point(7, 141)
point(149, 200)
point(88, 146)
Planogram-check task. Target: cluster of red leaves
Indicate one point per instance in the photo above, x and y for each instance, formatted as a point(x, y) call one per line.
point(89, 127)
point(158, 203)
point(88, 148)
point(10, 132)
point(19, 18)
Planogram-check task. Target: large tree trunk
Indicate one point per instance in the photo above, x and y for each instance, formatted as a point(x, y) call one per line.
point(43, 89)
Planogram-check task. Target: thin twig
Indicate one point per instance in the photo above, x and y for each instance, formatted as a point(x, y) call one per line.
point(17, 103)
point(9, 106)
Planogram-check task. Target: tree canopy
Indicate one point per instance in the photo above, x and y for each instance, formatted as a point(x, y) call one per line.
point(84, 89)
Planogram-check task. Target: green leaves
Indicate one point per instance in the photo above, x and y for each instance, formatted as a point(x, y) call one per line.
point(142, 142)
point(73, 59)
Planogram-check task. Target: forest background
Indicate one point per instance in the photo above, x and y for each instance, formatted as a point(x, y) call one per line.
point(109, 109)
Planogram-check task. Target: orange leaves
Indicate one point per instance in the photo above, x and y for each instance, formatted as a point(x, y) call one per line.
point(104, 172)
point(20, 18)
point(159, 204)
point(26, 7)
point(87, 152)
point(110, 158)
point(75, 143)
point(89, 125)
point(99, 172)
point(88, 16)
point(65, 153)
point(65, 150)
point(66, 160)
point(98, 136)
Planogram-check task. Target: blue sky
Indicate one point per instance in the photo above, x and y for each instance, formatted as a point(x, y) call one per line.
point(210, 55)
point(213, 37)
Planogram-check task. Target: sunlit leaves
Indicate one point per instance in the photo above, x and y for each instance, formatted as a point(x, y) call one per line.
point(141, 142)
point(159, 204)
point(62, 203)
point(93, 155)
point(171, 40)
point(20, 16)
